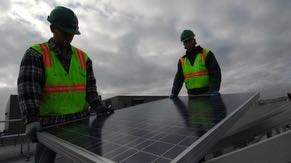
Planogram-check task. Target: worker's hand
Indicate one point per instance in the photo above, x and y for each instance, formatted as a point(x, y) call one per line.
point(31, 129)
point(172, 96)
point(214, 93)
point(101, 109)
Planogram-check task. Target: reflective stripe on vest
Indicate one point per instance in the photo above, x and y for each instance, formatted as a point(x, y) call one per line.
point(196, 75)
point(64, 88)
point(47, 59)
point(81, 57)
point(63, 92)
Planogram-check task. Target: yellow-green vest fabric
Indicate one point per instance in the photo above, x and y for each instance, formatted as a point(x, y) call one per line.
point(64, 92)
point(196, 75)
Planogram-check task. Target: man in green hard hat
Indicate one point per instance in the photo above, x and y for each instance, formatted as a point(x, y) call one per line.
point(56, 83)
point(198, 69)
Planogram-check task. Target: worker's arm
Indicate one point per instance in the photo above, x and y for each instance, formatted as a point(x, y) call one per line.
point(178, 81)
point(91, 91)
point(214, 73)
point(29, 85)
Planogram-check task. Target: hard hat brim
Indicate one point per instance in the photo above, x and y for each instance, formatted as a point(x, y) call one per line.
point(187, 38)
point(68, 30)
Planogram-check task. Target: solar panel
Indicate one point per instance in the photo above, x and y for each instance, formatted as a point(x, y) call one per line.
point(179, 130)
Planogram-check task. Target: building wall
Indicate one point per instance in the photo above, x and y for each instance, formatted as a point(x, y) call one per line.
point(13, 112)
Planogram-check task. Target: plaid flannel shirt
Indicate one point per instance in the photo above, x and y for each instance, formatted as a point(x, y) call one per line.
point(31, 81)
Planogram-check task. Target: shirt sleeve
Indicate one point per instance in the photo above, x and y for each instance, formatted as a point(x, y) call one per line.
point(91, 89)
point(178, 81)
point(29, 84)
point(214, 72)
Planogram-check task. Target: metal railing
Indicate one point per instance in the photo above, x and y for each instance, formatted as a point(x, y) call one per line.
point(17, 137)
point(11, 120)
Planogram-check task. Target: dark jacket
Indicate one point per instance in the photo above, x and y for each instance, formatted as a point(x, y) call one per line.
point(213, 70)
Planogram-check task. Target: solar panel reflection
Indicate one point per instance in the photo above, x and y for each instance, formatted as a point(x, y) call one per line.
point(178, 130)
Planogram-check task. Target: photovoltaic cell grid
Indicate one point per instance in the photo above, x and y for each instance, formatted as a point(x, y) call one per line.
point(153, 132)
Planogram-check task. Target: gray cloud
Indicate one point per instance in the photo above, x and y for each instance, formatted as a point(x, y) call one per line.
point(135, 45)
point(16, 37)
point(5, 6)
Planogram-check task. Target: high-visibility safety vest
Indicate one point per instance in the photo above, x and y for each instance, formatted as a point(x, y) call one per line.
point(196, 75)
point(64, 92)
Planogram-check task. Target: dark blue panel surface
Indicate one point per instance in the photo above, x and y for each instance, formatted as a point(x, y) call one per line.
point(158, 131)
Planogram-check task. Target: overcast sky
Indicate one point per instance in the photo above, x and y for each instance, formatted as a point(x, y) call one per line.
point(135, 47)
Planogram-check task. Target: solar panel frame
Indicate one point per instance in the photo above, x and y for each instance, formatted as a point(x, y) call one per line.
point(200, 147)
point(192, 153)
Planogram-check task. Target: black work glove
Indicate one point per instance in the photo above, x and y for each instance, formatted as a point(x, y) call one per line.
point(103, 110)
point(31, 129)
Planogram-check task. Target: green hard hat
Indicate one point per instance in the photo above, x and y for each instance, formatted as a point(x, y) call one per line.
point(65, 19)
point(187, 35)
